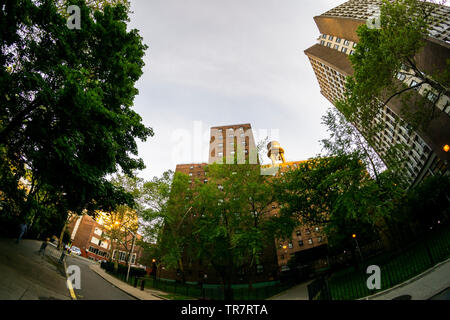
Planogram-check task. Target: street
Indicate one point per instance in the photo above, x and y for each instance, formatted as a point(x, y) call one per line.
point(28, 276)
point(94, 287)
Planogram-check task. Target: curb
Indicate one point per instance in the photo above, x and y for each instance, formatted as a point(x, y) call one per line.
point(419, 276)
point(129, 293)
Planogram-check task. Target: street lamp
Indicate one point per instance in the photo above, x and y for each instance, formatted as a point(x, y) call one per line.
point(446, 148)
point(357, 246)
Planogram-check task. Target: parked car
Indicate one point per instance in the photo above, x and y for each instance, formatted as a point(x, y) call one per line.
point(75, 250)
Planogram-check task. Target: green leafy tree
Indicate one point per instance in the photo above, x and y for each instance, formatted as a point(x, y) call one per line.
point(169, 204)
point(67, 96)
point(233, 224)
point(382, 53)
point(338, 194)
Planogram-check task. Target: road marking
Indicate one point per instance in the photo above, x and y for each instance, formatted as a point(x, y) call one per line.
point(69, 283)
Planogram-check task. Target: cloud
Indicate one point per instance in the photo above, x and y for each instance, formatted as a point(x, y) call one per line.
point(225, 62)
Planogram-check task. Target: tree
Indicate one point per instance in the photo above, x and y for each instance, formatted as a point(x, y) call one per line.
point(118, 227)
point(67, 95)
point(338, 193)
point(384, 53)
point(233, 222)
point(168, 200)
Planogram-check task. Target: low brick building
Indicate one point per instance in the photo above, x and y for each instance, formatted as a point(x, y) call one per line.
point(89, 235)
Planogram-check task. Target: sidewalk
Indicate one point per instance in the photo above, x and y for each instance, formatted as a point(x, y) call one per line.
point(299, 292)
point(28, 276)
point(422, 287)
point(147, 294)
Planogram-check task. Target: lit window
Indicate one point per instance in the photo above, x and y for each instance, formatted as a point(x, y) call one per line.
point(298, 233)
point(324, 36)
point(346, 42)
point(290, 245)
point(220, 154)
point(352, 52)
point(330, 38)
point(329, 44)
point(336, 46)
point(344, 50)
point(310, 241)
point(338, 40)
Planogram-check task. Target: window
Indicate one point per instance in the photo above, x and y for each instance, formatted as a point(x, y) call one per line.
point(346, 42)
point(220, 154)
point(232, 153)
point(354, 44)
point(324, 36)
point(242, 135)
point(344, 50)
point(307, 231)
point(310, 241)
point(300, 243)
point(190, 174)
point(192, 167)
point(330, 38)
point(290, 246)
point(231, 135)
point(95, 240)
point(401, 76)
point(352, 52)
point(205, 181)
point(336, 46)
point(220, 187)
point(338, 40)
point(329, 44)
point(322, 42)
point(98, 231)
point(316, 229)
point(220, 145)
point(298, 233)
point(319, 239)
point(431, 96)
point(413, 83)
point(220, 137)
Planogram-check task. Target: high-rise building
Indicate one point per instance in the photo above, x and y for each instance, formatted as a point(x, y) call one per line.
point(230, 142)
point(426, 154)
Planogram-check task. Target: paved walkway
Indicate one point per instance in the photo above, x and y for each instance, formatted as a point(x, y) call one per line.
point(27, 276)
point(299, 292)
point(147, 294)
point(422, 287)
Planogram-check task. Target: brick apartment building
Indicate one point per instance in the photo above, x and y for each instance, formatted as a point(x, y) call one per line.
point(88, 234)
point(224, 143)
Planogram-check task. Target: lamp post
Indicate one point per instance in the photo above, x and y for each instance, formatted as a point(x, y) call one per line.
point(357, 246)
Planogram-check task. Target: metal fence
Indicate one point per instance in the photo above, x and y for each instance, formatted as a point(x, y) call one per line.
point(214, 292)
point(395, 266)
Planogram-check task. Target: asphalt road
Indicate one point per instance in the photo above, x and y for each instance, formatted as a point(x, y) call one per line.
point(94, 287)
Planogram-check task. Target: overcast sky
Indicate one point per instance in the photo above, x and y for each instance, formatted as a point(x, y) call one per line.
point(220, 62)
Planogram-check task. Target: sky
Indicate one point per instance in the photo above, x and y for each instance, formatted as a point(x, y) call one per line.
point(221, 62)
